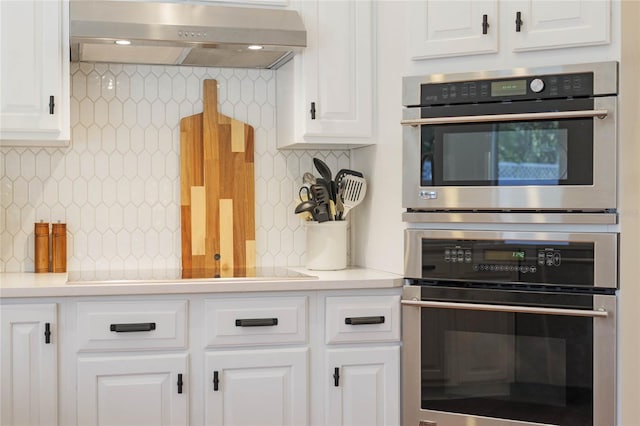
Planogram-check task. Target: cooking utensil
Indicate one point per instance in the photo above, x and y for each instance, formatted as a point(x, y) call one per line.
point(321, 213)
point(321, 196)
point(328, 187)
point(320, 193)
point(343, 172)
point(323, 169)
point(308, 178)
point(338, 184)
point(355, 188)
point(325, 172)
point(339, 204)
point(304, 193)
point(306, 206)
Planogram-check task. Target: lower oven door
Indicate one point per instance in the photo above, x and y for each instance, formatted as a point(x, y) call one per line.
point(497, 357)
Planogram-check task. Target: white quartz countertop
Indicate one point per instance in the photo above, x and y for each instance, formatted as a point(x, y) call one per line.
point(27, 284)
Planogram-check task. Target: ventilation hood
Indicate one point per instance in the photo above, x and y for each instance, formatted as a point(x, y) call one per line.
point(183, 34)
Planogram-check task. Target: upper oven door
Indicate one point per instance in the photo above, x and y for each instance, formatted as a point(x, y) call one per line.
point(529, 155)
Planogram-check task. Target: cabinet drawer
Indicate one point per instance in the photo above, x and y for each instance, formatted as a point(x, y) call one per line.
point(362, 319)
point(256, 321)
point(132, 325)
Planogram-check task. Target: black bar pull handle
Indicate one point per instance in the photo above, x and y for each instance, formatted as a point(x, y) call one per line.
point(256, 322)
point(52, 104)
point(336, 377)
point(518, 21)
point(485, 24)
point(364, 320)
point(129, 328)
point(180, 383)
point(216, 381)
point(47, 333)
point(313, 110)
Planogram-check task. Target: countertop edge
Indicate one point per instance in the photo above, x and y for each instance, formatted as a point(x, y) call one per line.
point(55, 285)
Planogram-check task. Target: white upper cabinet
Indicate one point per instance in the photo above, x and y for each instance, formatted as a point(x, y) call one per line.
point(557, 24)
point(325, 94)
point(441, 28)
point(34, 58)
point(445, 28)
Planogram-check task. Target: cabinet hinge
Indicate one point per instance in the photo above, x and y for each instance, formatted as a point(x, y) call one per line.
point(52, 104)
point(47, 333)
point(336, 377)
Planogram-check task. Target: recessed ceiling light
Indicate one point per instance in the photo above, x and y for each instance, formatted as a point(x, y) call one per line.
point(255, 47)
point(123, 42)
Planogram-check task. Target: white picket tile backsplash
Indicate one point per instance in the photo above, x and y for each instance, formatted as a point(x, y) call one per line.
point(118, 186)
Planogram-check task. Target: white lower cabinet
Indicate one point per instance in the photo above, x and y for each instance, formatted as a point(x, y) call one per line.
point(366, 386)
point(125, 372)
point(257, 387)
point(242, 359)
point(362, 357)
point(28, 364)
point(141, 390)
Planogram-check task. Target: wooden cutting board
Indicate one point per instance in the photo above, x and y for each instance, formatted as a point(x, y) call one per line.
point(217, 193)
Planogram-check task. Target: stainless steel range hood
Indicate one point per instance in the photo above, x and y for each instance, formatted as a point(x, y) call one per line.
point(183, 34)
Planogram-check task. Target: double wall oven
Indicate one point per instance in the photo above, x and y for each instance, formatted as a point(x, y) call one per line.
point(509, 324)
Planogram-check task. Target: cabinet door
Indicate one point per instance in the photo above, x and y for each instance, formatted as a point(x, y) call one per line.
point(338, 67)
point(136, 390)
point(29, 365)
point(440, 28)
point(557, 24)
point(363, 386)
point(257, 388)
point(325, 94)
point(34, 72)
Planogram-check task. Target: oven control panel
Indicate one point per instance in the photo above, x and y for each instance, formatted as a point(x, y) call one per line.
point(507, 89)
point(509, 261)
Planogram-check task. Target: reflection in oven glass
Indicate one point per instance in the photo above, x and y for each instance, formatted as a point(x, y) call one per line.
point(505, 365)
point(511, 154)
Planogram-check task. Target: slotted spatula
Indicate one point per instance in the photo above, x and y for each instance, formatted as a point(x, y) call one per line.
point(355, 188)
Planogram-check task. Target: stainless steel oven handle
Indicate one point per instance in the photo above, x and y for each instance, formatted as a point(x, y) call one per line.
point(506, 308)
point(599, 113)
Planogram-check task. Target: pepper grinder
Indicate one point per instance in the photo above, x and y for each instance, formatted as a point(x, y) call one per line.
point(59, 247)
point(41, 261)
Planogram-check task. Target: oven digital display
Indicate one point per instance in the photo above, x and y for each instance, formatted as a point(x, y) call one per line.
point(503, 255)
point(509, 88)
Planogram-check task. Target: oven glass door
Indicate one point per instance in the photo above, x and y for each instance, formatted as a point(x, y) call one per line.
point(546, 151)
point(520, 366)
